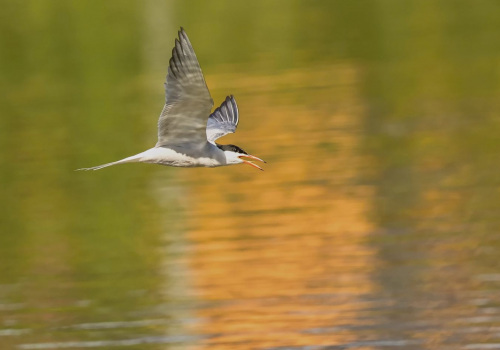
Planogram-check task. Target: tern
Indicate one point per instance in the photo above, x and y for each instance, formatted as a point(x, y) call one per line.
point(187, 131)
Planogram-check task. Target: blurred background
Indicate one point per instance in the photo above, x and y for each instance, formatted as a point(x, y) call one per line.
point(375, 225)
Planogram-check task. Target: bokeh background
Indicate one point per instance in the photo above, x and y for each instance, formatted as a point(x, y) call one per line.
point(375, 225)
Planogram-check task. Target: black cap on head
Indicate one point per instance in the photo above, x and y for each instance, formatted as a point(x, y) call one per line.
point(231, 148)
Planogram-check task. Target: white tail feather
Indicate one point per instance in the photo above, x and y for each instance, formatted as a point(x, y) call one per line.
point(132, 159)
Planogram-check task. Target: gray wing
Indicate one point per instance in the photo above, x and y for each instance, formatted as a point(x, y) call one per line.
point(223, 120)
point(188, 102)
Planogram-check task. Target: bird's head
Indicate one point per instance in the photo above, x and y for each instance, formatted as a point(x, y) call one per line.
point(235, 155)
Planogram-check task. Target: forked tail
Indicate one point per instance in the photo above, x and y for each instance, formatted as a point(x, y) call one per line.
point(132, 159)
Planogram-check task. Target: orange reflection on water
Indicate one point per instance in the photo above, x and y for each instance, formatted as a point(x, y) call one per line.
point(280, 256)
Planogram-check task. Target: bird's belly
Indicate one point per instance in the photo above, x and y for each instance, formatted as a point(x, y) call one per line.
point(171, 157)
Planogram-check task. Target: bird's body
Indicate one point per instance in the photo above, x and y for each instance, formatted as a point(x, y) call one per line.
point(185, 137)
point(176, 156)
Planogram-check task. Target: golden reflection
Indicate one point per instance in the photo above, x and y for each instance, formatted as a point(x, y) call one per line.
point(282, 253)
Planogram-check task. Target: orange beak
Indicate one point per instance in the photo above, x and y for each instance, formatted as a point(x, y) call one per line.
point(250, 163)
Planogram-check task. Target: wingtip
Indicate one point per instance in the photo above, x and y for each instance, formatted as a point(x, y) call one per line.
point(181, 33)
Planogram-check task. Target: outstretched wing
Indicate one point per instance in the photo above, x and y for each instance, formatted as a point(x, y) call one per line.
point(188, 101)
point(223, 120)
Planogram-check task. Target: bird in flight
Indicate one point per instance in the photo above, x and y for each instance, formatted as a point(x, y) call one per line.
point(187, 131)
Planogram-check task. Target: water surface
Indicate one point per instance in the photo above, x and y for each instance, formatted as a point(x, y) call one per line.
point(374, 226)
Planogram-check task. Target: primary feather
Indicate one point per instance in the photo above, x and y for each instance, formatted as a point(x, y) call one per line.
point(187, 99)
point(223, 120)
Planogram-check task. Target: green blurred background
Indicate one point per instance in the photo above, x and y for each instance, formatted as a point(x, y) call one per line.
point(375, 224)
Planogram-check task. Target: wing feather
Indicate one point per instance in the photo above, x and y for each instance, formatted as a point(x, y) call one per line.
point(223, 120)
point(188, 101)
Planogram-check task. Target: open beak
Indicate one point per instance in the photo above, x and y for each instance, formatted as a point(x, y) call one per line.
point(251, 163)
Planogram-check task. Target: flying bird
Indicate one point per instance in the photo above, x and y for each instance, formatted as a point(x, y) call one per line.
point(187, 130)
